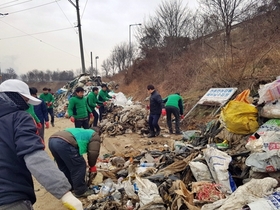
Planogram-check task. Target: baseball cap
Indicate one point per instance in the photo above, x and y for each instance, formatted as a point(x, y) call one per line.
point(18, 86)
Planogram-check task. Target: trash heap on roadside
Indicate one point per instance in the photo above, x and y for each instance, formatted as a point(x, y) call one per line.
point(232, 163)
point(84, 80)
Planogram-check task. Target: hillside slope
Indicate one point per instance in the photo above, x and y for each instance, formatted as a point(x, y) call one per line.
point(251, 58)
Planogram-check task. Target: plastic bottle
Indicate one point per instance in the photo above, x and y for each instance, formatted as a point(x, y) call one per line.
point(106, 188)
point(136, 189)
point(147, 164)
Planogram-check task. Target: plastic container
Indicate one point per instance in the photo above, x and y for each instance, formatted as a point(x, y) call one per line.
point(147, 164)
point(106, 188)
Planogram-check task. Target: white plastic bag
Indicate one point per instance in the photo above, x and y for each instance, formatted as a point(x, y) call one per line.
point(271, 110)
point(269, 92)
point(148, 193)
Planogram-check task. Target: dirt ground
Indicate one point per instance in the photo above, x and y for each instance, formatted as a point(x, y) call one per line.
point(127, 145)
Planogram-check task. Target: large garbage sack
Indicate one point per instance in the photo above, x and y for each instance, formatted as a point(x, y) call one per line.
point(247, 193)
point(218, 163)
point(264, 161)
point(149, 195)
point(266, 138)
point(269, 92)
point(240, 117)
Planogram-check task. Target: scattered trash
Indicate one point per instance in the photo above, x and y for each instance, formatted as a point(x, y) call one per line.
point(211, 167)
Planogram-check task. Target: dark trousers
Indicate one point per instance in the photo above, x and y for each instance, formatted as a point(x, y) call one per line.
point(82, 123)
point(95, 115)
point(175, 111)
point(19, 205)
point(50, 111)
point(101, 111)
point(153, 123)
point(70, 162)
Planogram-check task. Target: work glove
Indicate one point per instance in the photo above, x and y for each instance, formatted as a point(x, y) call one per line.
point(163, 112)
point(91, 175)
point(182, 117)
point(71, 202)
point(72, 119)
point(91, 115)
point(47, 124)
point(39, 125)
point(104, 103)
point(92, 169)
point(50, 103)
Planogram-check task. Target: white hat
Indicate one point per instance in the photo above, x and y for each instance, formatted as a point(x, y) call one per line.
point(17, 86)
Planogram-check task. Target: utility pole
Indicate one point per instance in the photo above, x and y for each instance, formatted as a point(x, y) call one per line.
point(96, 65)
point(91, 62)
point(80, 35)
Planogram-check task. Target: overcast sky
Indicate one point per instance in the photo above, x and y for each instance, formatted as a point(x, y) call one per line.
point(40, 34)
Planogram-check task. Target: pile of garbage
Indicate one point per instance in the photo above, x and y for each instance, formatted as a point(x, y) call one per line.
point(121, 114)
point(125, 119)
point(232, 163)
point(62, 95)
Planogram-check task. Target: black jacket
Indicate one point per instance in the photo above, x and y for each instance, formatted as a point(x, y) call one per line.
point(155, 103)
point(17, 138)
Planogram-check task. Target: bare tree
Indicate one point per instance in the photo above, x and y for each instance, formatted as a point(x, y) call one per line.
point(91, 71)
point(121, 56)
point(228, 12)
point(169, 28)
point(106, 67)
point(9, 73)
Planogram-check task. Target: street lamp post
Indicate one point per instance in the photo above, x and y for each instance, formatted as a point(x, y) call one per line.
point(130, 53)
point(96, 64)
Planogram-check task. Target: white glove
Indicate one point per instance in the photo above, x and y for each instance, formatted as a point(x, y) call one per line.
point(71, 202)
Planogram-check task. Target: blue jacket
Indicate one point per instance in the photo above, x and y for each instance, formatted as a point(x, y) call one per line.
point(42, 112)
point(18, 138)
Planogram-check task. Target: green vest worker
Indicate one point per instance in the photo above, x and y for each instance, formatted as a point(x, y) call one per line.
point(68, 147)
point(78, 109)
point(92, 100)
point(174, 105)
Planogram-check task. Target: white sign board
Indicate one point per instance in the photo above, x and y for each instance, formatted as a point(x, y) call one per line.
point(217, 95)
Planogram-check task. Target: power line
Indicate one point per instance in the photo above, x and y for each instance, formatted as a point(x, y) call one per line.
point(44, 32)
point(84, 9)
point(8, 2)
point(15, 4)
point(41, 5)
point(39, 39)
point(66, 17)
